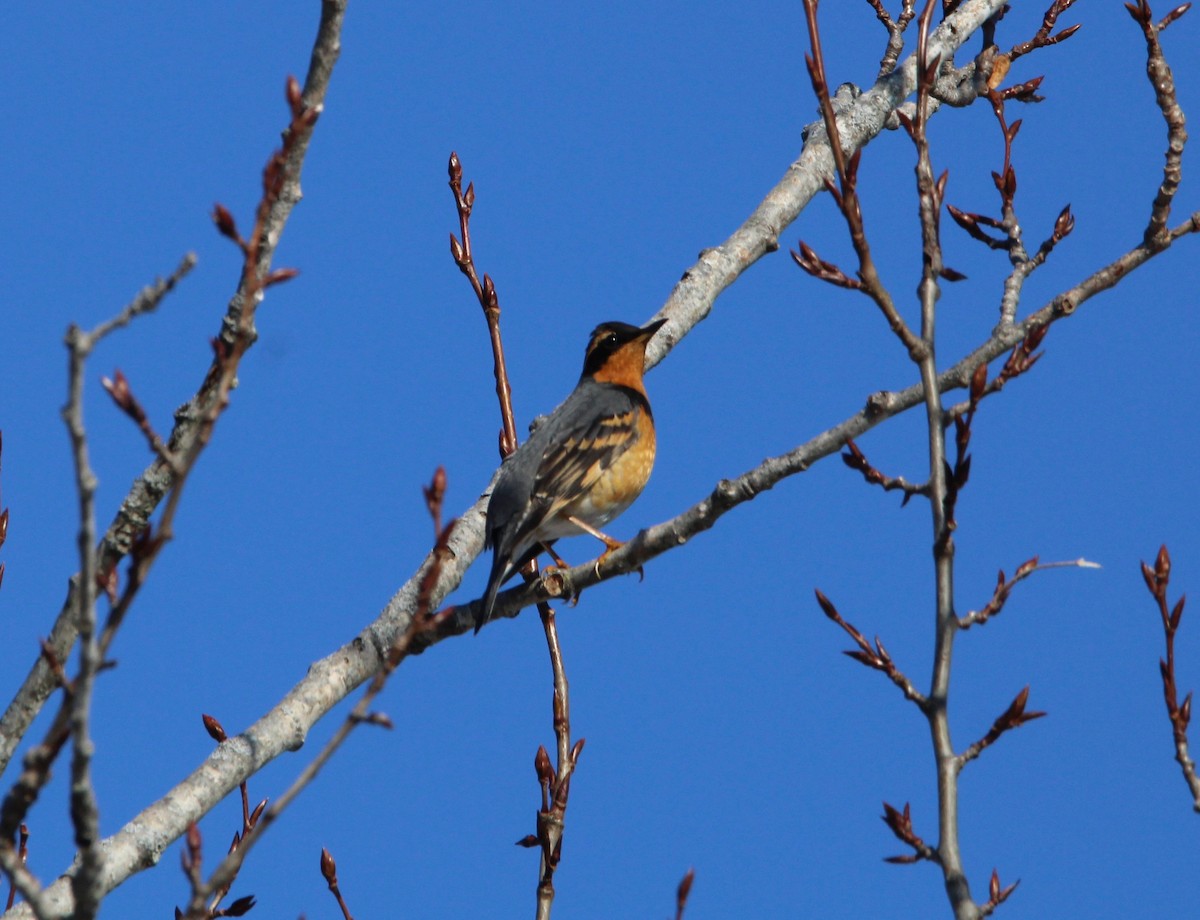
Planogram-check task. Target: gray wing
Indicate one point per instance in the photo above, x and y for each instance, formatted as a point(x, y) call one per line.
point(580, 439)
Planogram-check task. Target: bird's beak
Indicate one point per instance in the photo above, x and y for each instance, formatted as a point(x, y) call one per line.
point(647, 332)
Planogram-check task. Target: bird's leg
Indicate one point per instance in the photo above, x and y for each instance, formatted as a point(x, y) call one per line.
point(548, 548)
point(610, 544)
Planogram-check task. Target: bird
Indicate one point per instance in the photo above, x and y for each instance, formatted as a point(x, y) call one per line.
point(582, 466)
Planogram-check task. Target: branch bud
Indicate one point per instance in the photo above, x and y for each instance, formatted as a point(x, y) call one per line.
point(224, 221)
point(292, 92)
point(328, 867)
point(214, 728)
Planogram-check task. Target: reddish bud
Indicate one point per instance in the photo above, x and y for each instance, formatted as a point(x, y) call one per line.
point(257, 813)
point(994, 886)
point(454, 168)
point(528, 841)
point(827, 606)
point(1177, 613)
point(1064, 224)
point(214, 728)
point(1151, 583)
point(541, 765)
point(489, 294)
point(279, 275)
point(118, 388)
point(1162, 564)
point(3, 526)
point(224, 221)
point(684, 889)
point(456, 249)
point(577, 750)
point(870, 660)
point(1163, 23)
point(328, 867)
point(292, 92)
point(469, 196)
point(978, 382)
point(852, 166)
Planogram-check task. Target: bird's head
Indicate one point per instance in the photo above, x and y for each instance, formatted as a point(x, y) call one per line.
point(616, 353)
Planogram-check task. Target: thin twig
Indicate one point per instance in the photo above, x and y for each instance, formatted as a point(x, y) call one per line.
point(489, 301)
point(900, 823)
point(1161, 79)
point(895, 28)
point(329, 873)
point(153, 485)
point(876, 657)
point(943, 487)
point(1013, 717)
point(845, 194)
point(1180, 714)
point(1004, 588)
point(856, 460)
point(85, 817)
point(556, 783)
point(84, 810)
point(422, 623)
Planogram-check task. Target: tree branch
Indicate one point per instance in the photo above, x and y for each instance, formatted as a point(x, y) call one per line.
point(158, 479)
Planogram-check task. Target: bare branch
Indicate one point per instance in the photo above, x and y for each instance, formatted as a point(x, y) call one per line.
point(158, 480)
point(996, 894)
point(1157, 581)
point(422, 624)
point(846, 196)
point(1043, 37)
point(900, 823)
point(895, 29)
point(856, 460)
point(876, 658)
point(1013, 717)
point(1004, 588)
point(1163, 81)
point(485, 291)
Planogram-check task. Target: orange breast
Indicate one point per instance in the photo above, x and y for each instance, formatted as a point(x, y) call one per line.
point(616, 487)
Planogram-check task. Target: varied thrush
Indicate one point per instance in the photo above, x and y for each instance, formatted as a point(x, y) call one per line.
point(582, 466)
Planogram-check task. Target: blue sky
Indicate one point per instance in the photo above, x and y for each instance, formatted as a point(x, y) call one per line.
point(725, 731)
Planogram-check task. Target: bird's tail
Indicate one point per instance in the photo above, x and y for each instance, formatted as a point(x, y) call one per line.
point(495, 579)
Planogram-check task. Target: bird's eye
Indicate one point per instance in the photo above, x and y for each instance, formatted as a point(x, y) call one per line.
point(610, 340)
